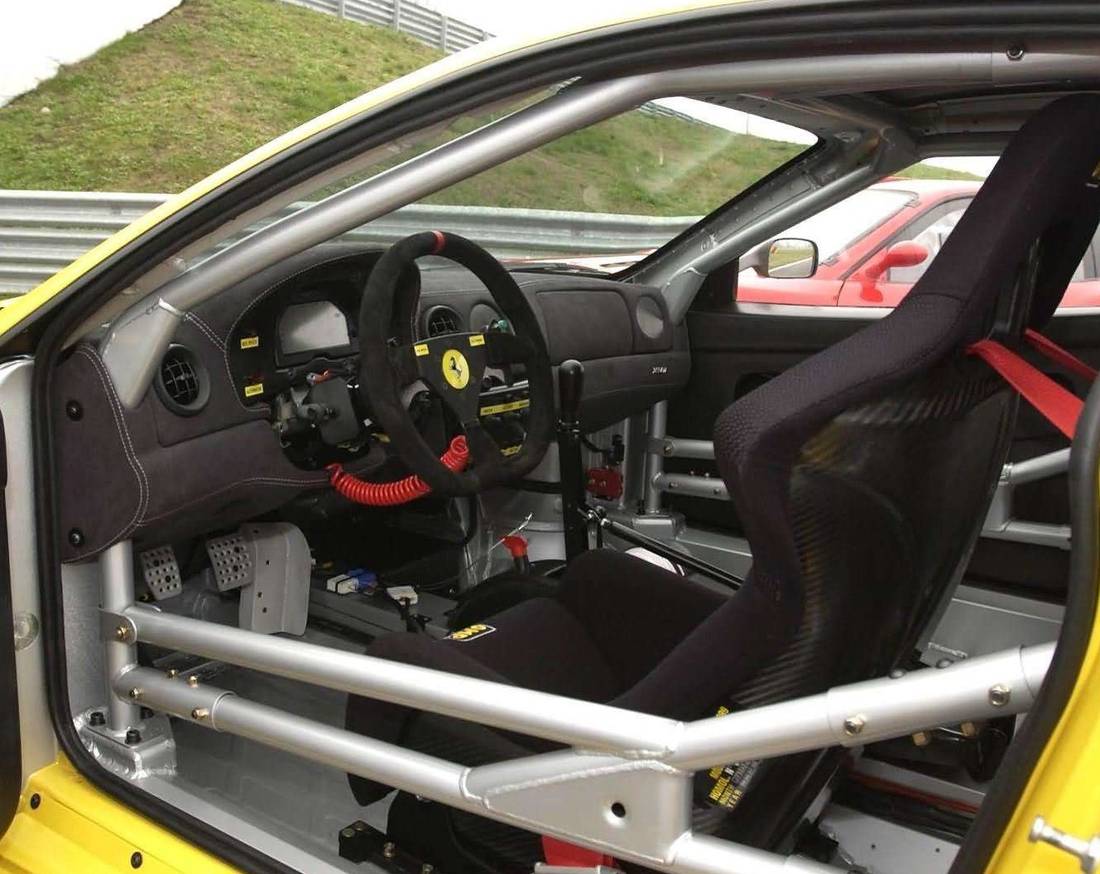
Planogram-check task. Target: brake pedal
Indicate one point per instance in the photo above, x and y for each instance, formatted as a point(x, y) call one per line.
point(270, 563)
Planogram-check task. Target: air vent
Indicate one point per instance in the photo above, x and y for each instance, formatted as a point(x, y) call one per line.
point(442, 320)
point(182, 384)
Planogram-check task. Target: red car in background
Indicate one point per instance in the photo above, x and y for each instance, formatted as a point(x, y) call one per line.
point(869, 249)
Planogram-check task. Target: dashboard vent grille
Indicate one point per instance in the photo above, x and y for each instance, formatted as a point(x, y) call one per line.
point(442, 320)
point(181, 381)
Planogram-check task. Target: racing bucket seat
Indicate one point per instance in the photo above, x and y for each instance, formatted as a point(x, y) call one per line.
point(862, 476)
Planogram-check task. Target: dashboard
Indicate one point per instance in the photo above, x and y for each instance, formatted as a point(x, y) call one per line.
point(259, 391)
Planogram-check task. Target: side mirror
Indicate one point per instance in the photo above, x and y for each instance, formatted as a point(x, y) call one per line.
point(791, 258)
point(904, 254)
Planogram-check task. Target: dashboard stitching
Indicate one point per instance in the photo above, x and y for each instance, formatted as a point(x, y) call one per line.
point(262, 480)
point(127, 444)
point(256, 300)
point(211, 335)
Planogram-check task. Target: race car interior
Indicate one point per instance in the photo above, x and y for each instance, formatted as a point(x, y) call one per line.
point(642, 529)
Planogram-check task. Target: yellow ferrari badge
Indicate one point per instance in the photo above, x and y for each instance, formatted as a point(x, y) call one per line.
point(455, 369)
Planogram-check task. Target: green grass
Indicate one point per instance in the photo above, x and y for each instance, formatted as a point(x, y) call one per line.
point(213, 79)
point(660, 166)
point(926, 171)
point(165, 106)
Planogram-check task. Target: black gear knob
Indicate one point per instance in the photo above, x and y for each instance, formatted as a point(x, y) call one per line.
point(570, 388)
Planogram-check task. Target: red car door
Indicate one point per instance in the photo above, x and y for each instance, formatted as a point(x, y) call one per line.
point(814, 291)
point(888, 273)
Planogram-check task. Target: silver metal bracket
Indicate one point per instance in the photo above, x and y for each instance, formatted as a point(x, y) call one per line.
point(116, 628)
point(999, 522)
point(641, 805)
point(543, 868)
point(1086, 851)
point(143, 750)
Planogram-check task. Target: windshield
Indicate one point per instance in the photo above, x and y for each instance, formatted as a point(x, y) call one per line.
point(836, 228)
point(604, 197)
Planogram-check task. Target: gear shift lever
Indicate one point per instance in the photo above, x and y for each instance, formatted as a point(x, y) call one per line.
point(570, 387)
point(573, 503)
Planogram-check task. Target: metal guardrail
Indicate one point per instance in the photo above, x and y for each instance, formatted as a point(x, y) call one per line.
point(426, 25)
point(42, 231)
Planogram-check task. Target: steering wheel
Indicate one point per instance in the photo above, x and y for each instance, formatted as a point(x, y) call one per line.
point(452, 365)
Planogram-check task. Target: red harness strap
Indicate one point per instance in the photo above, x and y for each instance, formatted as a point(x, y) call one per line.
point(1055, 353)
point(568, 856)
point(1059, 407)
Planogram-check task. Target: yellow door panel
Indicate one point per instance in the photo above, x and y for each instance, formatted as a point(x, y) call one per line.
point(1065, 787)
point(65, 825)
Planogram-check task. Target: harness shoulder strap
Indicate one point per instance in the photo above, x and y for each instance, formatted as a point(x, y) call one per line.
point(1065, 359)
point(1059, 407)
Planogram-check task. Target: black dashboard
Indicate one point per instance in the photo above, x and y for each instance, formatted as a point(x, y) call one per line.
point(214, 441)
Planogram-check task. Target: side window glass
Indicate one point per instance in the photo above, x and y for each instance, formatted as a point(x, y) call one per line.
point(930, 232)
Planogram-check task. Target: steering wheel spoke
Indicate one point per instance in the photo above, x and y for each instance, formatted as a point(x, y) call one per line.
point(453, 366)
point(484, 449)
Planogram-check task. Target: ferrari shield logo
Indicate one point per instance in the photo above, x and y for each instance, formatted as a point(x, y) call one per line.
point(455, 369)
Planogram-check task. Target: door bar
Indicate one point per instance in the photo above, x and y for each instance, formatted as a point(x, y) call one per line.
point(554, 717)
point(995, 685)
point(561, 794)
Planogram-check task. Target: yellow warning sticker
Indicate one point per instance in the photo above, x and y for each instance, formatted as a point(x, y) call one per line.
point(257, 388)
point(509, 407)
point(471, 632)
point(250, 342)
point(511, 450)
point(730, 782)
point(421, 349)
point(477, 340)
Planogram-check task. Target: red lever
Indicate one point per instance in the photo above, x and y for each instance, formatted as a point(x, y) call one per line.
point(515, 544)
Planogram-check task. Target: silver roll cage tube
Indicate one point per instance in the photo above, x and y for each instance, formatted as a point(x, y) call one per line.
point(137, 339)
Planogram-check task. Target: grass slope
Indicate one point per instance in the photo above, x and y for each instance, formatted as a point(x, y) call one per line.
point(161, 108)
point(213, 79)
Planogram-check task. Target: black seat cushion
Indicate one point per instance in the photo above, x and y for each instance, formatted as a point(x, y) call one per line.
point(614, 618)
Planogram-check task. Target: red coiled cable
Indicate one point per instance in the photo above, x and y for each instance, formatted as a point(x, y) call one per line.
point(400, 491)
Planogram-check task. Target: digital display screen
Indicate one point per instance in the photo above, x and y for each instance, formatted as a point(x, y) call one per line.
point(312, 327)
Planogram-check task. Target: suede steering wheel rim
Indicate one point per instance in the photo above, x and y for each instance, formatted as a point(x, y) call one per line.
point(451, 365)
